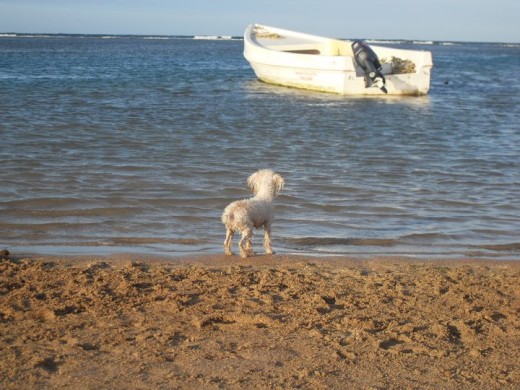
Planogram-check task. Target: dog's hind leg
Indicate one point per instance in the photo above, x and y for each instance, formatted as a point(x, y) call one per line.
point(267, 239)
point(245, 243)
point(227, 242)
point(249, 245)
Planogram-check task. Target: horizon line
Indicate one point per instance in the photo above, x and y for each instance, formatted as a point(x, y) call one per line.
point(12, 34)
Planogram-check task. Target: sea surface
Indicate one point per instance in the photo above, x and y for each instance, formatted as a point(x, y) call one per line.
point(133, 144)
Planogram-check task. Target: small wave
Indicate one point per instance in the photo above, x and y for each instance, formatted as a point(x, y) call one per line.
point(213, 37)
point(154, 240)
point(152, 37)
point(85, 241)
point(323, 241)
point(385, 41)
point(36, 36)
point(515, 246)
point(65, 213)
point(426, 237)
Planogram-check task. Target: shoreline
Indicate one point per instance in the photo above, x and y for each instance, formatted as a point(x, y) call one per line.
point(335, 262)
point(258, 258)
point(507, 252)
point(268, 321)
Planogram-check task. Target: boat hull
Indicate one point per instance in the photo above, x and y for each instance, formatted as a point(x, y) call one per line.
point(322, 64)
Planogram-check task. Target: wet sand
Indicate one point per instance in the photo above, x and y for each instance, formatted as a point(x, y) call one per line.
point(266, 322)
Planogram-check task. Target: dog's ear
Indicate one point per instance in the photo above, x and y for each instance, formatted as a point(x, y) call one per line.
point(252, 184)
point(279, 182)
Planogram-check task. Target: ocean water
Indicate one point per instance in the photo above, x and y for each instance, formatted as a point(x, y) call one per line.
point(136, 145)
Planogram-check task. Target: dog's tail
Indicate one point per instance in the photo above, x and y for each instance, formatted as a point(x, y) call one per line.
point(228, 218)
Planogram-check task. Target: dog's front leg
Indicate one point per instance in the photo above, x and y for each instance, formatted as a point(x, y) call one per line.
point(267, 239)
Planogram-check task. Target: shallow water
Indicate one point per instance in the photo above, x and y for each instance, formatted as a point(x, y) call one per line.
point(137, 145)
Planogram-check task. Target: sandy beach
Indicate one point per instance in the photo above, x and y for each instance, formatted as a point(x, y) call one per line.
point(265, 322)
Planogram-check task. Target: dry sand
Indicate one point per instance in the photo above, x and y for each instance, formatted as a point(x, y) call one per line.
point(265, 322)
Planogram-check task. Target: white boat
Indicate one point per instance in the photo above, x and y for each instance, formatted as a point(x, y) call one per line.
point(344, 67)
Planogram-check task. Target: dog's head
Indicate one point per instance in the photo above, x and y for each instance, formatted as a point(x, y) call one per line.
point(267, 180)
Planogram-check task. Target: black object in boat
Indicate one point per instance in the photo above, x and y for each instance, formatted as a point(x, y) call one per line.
point(368, 61)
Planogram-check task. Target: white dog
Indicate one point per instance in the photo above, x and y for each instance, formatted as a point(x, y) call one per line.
point(244, 215)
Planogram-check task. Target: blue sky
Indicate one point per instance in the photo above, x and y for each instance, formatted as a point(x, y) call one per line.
point(449, 20)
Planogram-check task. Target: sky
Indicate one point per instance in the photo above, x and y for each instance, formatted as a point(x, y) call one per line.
point(438, 20)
